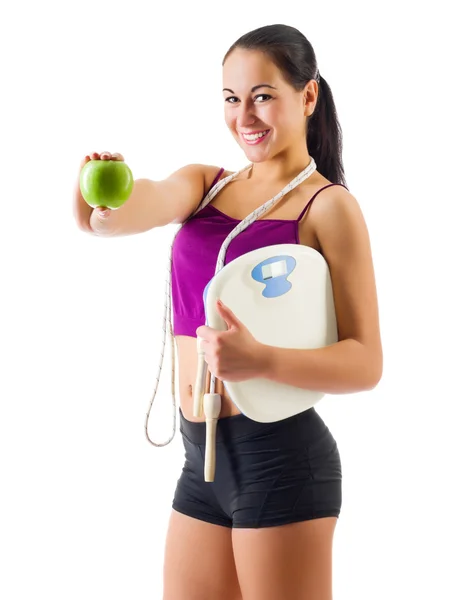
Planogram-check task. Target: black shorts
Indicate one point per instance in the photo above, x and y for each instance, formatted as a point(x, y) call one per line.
point(267, 474)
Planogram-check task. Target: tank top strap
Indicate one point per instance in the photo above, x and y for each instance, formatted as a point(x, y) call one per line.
point(216, 178)
point(311, 200)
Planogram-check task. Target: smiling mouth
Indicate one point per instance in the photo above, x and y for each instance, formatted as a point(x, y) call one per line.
point(254, 138)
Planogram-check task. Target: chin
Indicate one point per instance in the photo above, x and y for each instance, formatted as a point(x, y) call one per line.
point(255, 153)
point(256, 159)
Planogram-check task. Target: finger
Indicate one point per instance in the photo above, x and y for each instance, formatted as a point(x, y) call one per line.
point(227, 314)
point(204, 332)
point(105, 156)
point(208, 334)
point(117, 156)
point(205, 347)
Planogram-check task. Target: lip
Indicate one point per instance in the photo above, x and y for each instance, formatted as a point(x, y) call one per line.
point(257, 141)
point(253, 132)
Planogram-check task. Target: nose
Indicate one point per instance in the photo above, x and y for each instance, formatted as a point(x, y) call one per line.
point(246, 117)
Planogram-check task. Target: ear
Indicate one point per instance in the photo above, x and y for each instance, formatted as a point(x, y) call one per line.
point(310, 97)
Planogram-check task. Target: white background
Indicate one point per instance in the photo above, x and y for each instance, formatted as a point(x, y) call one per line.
point(85, 499)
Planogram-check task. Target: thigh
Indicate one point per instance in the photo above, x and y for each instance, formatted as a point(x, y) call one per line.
point(199, 561)
point(290, 561)
point(288, 474)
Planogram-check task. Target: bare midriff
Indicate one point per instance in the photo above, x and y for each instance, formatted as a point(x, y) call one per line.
point(187, 358)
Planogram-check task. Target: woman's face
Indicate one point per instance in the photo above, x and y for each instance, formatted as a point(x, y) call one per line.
point(275, 110)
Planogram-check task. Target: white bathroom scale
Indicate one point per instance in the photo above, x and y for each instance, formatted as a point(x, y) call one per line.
point(283, 294)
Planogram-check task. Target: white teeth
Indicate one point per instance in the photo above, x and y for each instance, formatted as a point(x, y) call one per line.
point(254, 136)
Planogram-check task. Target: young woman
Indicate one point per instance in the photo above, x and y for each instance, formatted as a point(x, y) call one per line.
point(263, 530)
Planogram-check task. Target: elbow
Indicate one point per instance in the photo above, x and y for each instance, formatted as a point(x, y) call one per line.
point(371, 370)
point(371, 384)
point(375, 372)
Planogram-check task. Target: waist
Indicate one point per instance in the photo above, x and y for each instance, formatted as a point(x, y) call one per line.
point(187, 360)
point(300, 429)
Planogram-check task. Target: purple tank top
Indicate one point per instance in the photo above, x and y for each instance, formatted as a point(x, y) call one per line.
point(197, 246)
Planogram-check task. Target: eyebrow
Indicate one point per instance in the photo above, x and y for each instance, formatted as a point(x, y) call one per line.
point(255, 87)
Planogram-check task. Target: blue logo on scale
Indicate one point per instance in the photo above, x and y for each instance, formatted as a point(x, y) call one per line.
point(273, 272)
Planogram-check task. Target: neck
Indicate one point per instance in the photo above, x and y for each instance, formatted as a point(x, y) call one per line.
point(280, 169)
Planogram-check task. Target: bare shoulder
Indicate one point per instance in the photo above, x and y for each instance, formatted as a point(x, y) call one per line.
point(201, 174)
point(183, 190)
point(345, 244)
point(341, 230)
point(211, 172)
point(337, 212)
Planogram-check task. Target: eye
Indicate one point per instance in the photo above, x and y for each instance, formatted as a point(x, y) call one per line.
point(235, 98)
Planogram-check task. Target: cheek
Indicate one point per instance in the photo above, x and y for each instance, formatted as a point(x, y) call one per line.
point(271, 113)
point(230, 119)
point(280, 118)
point(288, 125)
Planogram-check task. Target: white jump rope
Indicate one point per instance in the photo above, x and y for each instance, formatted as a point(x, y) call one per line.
point(211, 402)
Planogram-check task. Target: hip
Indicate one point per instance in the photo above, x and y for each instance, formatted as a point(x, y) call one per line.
point(267, 474)
point(243, 444)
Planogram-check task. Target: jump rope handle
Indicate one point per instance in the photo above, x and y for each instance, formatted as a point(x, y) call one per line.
point(211, 405)
point(212, 409)
point(198, 393)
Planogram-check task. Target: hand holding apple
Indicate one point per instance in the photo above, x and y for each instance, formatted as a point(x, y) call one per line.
point(105, 181)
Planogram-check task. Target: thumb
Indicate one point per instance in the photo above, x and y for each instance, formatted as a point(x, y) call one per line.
point(103, 212)
point(227, 314)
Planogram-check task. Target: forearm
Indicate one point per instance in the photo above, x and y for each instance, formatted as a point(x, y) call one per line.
point(342, 368)
point(137, 215)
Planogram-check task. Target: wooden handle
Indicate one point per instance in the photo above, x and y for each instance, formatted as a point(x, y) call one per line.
point(212, 408)
point(200, 383)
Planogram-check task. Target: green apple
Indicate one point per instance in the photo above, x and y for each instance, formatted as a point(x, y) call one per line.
point(106, 183)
